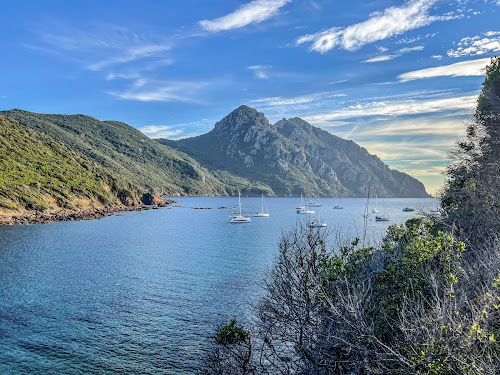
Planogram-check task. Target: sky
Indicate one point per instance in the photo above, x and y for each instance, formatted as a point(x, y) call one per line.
point(400, 78)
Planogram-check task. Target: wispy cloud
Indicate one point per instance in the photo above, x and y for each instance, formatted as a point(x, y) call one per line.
point(398, 53)
point(146, 90)
point(464, 68)
point(381, 25)
point(477, 45)
point(177, 131)
point(458, 105)
point(283, 101)
point(261, 71)
point(254, 12)
point(102, 45)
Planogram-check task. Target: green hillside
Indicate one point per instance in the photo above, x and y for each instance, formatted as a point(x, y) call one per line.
point(37, 173)
point(125, 151)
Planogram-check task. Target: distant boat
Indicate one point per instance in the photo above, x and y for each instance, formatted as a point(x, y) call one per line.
point(302, 205)
point(261, 213)
point(302, 210)
point(236, 217)
point(381, 218)
point(408, 209)
point(375, 210)
point(314, 203)
point(338, 206)
point(317, 223)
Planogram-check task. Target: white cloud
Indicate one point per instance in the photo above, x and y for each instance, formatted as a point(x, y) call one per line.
point(284, 101)
point(160, 131)
point(464, 68)
point(458, 105)
point(254, 12)
point(381, 25)
point(437, 57)
point(398, 53)
point(381, 58)
point(145, 90)
point(261, 71)
point(476, 45)
point(130, 55)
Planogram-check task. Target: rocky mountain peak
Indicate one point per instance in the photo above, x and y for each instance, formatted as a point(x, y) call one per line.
point(240, 121)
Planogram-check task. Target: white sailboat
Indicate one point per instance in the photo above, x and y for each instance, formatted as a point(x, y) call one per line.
point(304, 210)
point(375, 210)
point(317, 223)
point(382, 217)
point(236, 217)
point(338, 206)
point(302, 206)
point(314, 203)
point(261, 213)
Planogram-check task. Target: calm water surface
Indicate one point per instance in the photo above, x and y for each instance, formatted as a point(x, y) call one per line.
point(139, 292)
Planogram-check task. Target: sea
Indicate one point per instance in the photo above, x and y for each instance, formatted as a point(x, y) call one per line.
point(143, 292)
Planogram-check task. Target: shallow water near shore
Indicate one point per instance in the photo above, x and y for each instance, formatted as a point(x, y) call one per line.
point(140, 292)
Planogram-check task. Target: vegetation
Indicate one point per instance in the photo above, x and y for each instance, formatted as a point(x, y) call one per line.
point(425, 301)
point(37, 173)
point(126, 152)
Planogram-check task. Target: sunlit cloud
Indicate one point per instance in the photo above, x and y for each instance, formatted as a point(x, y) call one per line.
point(477, 45)
point(459, 105)
point(398, 53)
point(381, 25)
point(464, 68)
point(261, 71)
point(254, 12)
point(145, 90)
point(160, 131)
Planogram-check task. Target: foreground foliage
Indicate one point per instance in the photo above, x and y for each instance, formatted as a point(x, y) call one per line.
point(426, 301)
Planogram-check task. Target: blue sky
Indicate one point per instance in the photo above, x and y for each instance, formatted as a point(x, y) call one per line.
point(400, 78)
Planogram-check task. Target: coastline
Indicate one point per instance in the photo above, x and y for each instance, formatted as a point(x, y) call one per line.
point(40, 217)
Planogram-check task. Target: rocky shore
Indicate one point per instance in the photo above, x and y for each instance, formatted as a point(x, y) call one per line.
point(40, 217)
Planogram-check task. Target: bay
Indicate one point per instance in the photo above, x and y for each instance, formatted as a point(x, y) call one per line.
point(141, 292)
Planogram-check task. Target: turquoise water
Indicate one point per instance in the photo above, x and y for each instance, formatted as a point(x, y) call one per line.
point(139, 292)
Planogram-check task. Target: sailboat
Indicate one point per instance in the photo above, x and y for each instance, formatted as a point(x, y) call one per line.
point(304, 210)
point(375, 210)
point(338, 206)
point(317, 223)
point(237, 218)
point(302, 205)
point(382, 217)
point(314, 203)
point(261, 213)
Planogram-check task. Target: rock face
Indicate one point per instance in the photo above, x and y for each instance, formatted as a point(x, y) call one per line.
point(292, 156)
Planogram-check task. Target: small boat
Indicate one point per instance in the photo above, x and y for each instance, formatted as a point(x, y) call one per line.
point(375, 210)
point(302, 210)
point(316, 224)
point(236, 217)
point(302, 205)
point(314, 203)
point(381, 218)
point(261, 213)
point(408, 209)
point(338, 206)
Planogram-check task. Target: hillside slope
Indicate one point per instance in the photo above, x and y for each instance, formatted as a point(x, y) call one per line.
point(292, 156)
point(125, 151)
point(37, 173)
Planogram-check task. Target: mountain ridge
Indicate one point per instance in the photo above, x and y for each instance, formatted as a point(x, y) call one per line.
point(292, 156)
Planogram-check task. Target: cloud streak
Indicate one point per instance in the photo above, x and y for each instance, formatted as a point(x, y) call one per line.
point(145, 90)
point(461, 69)
point(256, 11)
point(381, 25)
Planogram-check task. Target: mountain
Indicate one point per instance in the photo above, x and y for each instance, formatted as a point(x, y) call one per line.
point(292, 156)
point(37, 173)
point(130, 154)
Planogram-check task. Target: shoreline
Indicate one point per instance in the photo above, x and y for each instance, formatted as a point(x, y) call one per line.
point(40, 217)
